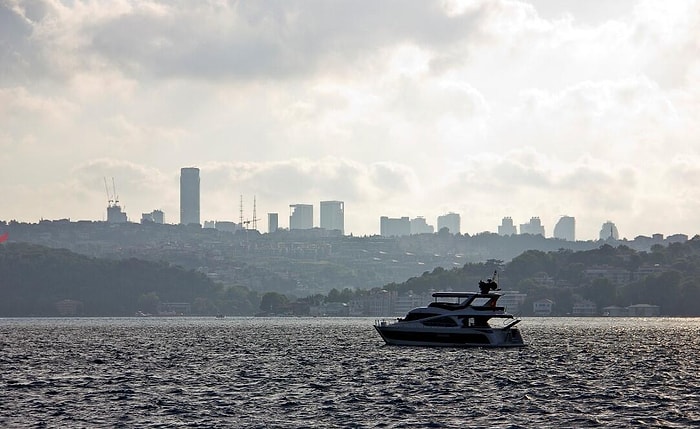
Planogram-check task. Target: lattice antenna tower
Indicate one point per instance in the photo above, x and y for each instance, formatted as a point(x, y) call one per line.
point(255, 218)
point(240, 219)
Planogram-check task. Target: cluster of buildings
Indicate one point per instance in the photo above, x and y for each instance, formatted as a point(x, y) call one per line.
point(398, 227)
point(332, 218)
point(301, 216)
point(565, 228)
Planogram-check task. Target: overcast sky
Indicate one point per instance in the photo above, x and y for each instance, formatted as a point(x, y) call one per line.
point(399, 108)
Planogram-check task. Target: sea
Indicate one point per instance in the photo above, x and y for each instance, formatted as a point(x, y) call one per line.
point(338, 373)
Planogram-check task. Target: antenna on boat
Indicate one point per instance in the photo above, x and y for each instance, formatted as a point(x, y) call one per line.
point(495, 280)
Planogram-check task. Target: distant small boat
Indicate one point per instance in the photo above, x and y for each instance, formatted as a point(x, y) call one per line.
point(455, 319)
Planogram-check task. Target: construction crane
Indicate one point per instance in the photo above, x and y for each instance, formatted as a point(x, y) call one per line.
point(114, 192)
point(109, 197)
point(113, 198)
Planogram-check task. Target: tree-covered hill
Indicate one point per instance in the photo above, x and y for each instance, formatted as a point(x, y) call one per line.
point(33, 279)
point(667, 276)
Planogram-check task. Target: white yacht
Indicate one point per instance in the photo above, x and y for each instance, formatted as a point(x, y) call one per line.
point(456, 319)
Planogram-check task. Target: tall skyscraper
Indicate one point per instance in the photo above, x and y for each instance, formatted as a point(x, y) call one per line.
point(333, 216)
point(189, 196)
point(506, 227)
point(451, 221)
point(272, 222)
point(301, 216)
point(565, 229)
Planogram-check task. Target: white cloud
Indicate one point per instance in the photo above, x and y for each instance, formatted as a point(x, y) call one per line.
point(486, 108)
point(606, 119)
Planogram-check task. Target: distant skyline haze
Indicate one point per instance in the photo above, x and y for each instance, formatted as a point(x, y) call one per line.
point(485, 108)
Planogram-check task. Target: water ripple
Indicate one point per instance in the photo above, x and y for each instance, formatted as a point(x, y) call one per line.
point(285, 373)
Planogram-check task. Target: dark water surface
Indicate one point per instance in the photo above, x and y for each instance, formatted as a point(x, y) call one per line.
point(287, 373)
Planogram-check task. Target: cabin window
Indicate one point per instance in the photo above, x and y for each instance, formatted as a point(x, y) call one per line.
point(417, 316)
point(441, 321)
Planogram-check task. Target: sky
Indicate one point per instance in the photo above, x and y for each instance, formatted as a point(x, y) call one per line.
point(487, 108)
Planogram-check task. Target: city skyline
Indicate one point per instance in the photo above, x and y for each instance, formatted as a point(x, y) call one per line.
point(302, 217)
point(486, 108)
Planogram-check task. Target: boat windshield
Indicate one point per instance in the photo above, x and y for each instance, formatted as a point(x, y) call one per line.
point(480, 302)
point(418, 316)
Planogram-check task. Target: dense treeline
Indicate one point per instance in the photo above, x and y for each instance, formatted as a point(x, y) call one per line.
point(671, 279)
point(34, 278)
point(673, 283)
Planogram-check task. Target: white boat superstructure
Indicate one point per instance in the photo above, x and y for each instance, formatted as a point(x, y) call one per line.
point(455, 319)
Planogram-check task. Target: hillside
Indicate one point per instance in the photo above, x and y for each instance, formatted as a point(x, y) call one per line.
point(35, 279)
point(667, 276)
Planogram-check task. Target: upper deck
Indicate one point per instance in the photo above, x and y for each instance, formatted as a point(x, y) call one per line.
point(453, 294)
point(478, 301)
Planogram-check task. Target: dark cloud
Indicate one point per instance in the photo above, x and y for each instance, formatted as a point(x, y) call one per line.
point(243, 40)
point(16, 52)
point(303, 179)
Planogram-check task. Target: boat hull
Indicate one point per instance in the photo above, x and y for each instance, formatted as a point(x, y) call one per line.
point(395, 334)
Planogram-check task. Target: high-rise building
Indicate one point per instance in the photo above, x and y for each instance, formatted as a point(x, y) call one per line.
point(114, 210)
point(272, 222)
point(565, 229)
point(226, 226)
point(506, 227)
point(115, 214)
point(390, 227)
point(301, 216)
point(189, 196)
point(420, 226)
point(333, 216)
point(451, 221)
point(156, 216)
point(534, 227)
point(609, 231)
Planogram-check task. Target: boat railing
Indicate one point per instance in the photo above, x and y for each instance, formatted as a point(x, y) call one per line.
point(511, 324)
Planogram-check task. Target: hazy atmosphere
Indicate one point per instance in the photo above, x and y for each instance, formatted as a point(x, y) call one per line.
point(399, 108)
